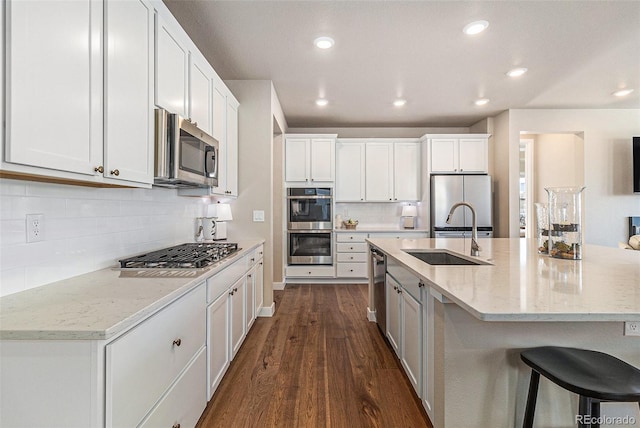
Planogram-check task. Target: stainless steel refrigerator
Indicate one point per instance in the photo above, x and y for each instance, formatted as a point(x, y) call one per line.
point(446, 190)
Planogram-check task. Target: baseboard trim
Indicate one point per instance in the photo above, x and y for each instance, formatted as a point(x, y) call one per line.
point(371, 315)
point(320, 280)
point(267, 311)
point(278, 286)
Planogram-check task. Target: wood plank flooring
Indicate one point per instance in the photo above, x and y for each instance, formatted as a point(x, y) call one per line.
point(318, 362)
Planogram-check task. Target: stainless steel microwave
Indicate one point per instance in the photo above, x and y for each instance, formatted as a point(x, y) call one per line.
point(185, 155)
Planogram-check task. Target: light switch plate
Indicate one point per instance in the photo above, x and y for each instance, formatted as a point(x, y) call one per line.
point(258, 216)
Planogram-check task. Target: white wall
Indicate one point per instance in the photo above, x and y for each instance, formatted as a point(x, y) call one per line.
point(608, 198)
point(386, 215)
point(85, 228)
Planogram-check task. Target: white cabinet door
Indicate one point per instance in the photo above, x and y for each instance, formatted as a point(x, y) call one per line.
point(393, 313)
point(350, 167)
point(322, 159)
point(428, 377)
point(219, 105)
point(200, 92)
point(218, 342)
point(379, 172)
point(231, 161)
point(237, 315)
point(54, 85)
point(259, 278)
point(250, 289)
point(473, 153)
point(411, 341)
point(406, 167)
point(128, 143)
point(444, 155)
point(296, 162)
point(172, 63)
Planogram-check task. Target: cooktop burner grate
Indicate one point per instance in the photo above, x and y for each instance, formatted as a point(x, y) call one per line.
point(196, 255)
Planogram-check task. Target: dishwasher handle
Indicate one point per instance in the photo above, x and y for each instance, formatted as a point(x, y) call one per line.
point(377, 256)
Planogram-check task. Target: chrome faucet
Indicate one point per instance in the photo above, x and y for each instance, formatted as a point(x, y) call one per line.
point(475, 248)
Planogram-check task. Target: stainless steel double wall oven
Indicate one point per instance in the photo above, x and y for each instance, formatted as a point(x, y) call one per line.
point(309, 226)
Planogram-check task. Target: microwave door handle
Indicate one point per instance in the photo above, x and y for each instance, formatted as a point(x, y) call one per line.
point(214, 173)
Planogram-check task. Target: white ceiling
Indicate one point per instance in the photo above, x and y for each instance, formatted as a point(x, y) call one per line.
point(577, 53)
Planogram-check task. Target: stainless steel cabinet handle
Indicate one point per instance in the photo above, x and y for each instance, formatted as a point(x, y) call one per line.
point(99, 169)
point(115, 172)
point(177, 342)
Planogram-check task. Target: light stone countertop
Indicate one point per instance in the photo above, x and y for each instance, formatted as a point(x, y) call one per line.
point(96, 305)
point(382, 229)
point(522, 285)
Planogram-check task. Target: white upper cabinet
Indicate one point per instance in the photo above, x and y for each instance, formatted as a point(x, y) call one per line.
point(310, 159)
point(79, 92)
point(172, 67)
point(379, 172)
point(128, 151)
point(406, 170)
point(230, 156)
point(459, 154)
point(350, 165)
point(54, 85)
point(201, 93)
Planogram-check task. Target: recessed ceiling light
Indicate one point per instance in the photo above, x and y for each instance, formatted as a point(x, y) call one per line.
point(324, 42)
point(481, 101)
point(321, 102)
point(516, 72)
point(399, 102)
point(475, 27)
point(622, 92)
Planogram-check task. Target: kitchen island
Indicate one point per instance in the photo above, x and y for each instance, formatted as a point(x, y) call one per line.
point(475, 319)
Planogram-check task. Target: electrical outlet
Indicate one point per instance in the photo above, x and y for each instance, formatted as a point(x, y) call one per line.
point(35, 227)
point(632, 328)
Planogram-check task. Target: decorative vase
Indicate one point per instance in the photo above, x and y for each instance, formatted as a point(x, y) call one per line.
point(542, 228)
point(565, 218)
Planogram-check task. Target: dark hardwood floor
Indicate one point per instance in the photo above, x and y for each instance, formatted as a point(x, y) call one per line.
point(318, 362)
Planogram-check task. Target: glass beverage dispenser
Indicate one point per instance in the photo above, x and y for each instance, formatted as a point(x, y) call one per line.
point(565, 229)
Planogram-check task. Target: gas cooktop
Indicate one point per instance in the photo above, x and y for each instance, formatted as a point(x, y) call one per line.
point(184, 256)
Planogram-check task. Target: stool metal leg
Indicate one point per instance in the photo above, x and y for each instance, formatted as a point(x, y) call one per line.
point(595, 411)
point(584, 411)
point(531, 400)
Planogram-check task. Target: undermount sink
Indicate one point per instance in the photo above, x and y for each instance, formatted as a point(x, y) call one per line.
point(444, 257)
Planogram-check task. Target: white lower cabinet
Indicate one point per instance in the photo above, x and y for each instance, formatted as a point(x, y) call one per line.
point(218, 355)
point(237, 316)
point(351, 255)
point(405, 328)
point(182, 406)
point(144, 363)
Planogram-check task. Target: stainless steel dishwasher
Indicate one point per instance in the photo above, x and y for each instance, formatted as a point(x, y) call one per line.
point(379, 268)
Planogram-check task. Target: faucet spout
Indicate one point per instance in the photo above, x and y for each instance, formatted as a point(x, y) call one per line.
point(475, 248)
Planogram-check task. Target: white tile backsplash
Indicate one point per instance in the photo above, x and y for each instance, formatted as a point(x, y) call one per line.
point(86, 228)
point(381, 214)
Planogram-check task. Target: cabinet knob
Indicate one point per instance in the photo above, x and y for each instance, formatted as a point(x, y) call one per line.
point(231, 293)
point(420, 284)
point(115, 172)
point(362, 199)
point(351, 258)
point(249, 276)
point(395, 288)
point(176, 425)
point(99, 169)
point(351, 248)
point(350, 270)
point(260, 263)
point(309, 273)
point(390, 199)
point(177, 342)
point(195, 123)
point(235, 290)
point(253, 259)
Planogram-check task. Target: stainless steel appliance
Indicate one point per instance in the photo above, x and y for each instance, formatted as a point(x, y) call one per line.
point(446, 190)
point(309, 226)
point(310, 247)
point(184, 256)
point(185, 155)
point(377, 278)
point(309, 208)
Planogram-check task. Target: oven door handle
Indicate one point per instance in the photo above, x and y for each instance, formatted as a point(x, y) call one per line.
point(310, 197)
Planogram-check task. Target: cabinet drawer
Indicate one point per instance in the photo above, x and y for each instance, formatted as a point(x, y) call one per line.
point(144, 362)
point(350, 237)
point(352, 257)
point(254, 256)
point(355, 270)
point(399, 235)
point(220, 282)
point(348, 247)
point(185, 401)
point(310, 271)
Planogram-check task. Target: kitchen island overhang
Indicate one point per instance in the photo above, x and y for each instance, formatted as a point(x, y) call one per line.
point(483, 316)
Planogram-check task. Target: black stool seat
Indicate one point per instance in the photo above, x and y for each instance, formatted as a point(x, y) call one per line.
point(595, 376)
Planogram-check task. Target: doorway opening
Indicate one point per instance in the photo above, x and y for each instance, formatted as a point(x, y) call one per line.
point(546, 160)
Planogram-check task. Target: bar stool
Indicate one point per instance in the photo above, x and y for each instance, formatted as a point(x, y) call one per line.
point(595, 376)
